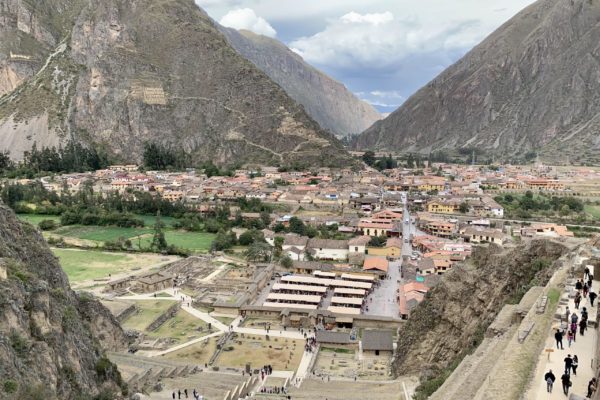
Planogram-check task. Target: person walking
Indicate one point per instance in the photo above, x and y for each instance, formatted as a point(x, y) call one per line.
point(549, 378)
point(567, 313)
point(582, 326)
point(592, 385)
point(173, 395)
point(568, 363)
point(578, 285)
point(586, 273)
point(575, 364)
point(592, 297)
point(566, 383)
point(559, 337)
point(570, 337)
point(586, 289)
point(574, 331)
point(577, 300)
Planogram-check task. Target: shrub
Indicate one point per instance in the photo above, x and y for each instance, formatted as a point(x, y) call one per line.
point(47, 225)
point(10, 386)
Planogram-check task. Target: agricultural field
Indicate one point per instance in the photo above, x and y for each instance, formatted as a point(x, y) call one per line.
point(193, 241)
point(100, 233)
point(282, 354)
point(87, 265)
point(35, 219)
point(182, 327)
point(148, 311)
point(592, 210)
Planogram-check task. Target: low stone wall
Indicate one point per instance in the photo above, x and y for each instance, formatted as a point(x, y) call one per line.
point(164, 317)
point(126, 313)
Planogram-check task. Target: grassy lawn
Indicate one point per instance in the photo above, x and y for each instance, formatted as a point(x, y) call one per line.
point(150, 220)
point(199, 353)
point(281, 354)
point(35, 219)
point(83, 265)
point(100, 233)
point(592, 210)
point(148, 311)
point(194, 241)
point(181, 327)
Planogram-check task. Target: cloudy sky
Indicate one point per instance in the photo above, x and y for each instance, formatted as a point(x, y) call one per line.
point(382, 50)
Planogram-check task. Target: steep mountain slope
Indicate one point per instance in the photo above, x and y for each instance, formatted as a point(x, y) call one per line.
point(534, 84)
point(122, 73)
point(327, 101)
point(455, 314)
point(51, 340)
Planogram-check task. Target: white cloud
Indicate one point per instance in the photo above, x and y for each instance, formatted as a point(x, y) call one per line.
point(393, 94)
point(246, 18)
point(379, 40)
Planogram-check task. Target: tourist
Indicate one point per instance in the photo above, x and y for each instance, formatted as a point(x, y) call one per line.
point(582, 326)
point(586, 289)
point(577, 300)
point(586, 273)
point(559, 337)
point(566, 383)
point(574, 318)
point(570, 337)
point(592, 297)
point(592, 385)
point(574, 331)
point(567, 313)
point(575, 364)
point(590, 280)
point(568, 363)
point(179, 394)
point(549, 378)
point(173, 395)
point(578, 285)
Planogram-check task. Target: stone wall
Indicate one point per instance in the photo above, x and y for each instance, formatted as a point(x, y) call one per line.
point(164, 317)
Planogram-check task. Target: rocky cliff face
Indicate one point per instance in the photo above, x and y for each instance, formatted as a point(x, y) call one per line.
point(327, 101)
point(456, 313)
point(534, 84)
point(129, 72)
point(51, 339)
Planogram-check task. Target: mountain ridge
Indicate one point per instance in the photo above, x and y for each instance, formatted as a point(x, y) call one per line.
point(532, 85)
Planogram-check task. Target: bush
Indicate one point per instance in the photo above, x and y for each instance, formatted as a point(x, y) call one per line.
point(47, 225)
point(10, 386)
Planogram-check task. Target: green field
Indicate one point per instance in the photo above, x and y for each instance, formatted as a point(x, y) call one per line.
point(35, 219)
point(194, 241)
point(83, 265)
point(592, 210)
point(148, 311)
point(150, 220)
point(100, 233)
point(181, 326)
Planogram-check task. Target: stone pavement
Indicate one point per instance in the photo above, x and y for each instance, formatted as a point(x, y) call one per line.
point(584, 347)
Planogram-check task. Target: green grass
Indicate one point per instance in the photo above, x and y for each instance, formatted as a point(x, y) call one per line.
point(148, 311)
point(100, 233)
point(35, 219)
point(592, 210)
point(150, 220)
point(83, 265)
point(181, 326)
point(194, 241)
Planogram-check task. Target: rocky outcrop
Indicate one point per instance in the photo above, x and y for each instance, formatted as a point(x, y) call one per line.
point(52, 340)
point(533, 85)
point(455, 314)
point(327, 101)
point(128, 72)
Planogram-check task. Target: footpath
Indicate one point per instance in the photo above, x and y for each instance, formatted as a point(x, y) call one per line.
point(584, 347)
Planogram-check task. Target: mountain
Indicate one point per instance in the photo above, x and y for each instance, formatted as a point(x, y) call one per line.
point(117, 74)
point(52, 340)
point(532, 85)
point(327, 101)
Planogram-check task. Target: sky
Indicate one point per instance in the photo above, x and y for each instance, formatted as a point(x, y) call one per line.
point(382, 50)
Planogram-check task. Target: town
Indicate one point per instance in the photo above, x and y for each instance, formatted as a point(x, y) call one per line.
point(308, 272)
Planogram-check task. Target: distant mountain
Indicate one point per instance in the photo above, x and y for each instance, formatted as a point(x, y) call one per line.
point(119, 73)
point(327, 101)
point(532, 85)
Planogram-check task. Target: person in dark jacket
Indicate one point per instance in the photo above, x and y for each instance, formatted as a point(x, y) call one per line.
point(578, 285)
point(577, 300)
point(559, 337)
point(592, 385)
point(592, 296)
point(568, 363)
point(566, 383)
point(575, 364)
point(549, 378)
point(582, 326)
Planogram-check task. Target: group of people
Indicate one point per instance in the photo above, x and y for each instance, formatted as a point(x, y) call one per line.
point(178, 395)
point(273, 390)
point(572, 320)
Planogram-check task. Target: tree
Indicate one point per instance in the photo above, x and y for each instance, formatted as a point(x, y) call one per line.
point(463, 207)
point(369, 158)
point(286, 262)
point(410, 161)
point(278, 249)
point(159, 243)
point(246, 238)
point(259, 251)
point(378, 241)
point(297, 226)
point(47, 225)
